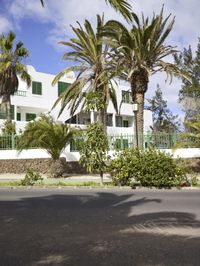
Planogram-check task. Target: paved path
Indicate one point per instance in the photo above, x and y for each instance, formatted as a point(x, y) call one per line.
point(72, 177)
point(79, 227)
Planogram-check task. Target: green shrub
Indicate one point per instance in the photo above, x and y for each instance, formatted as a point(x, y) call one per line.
point(31, 178)
point(194, 180)
point(146, 168)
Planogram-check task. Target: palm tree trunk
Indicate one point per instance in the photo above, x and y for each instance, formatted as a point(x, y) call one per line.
point(6, 107)
point(139, 120)
point(103, 119)
point(58, 167)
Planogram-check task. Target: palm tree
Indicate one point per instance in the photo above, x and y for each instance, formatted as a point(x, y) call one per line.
point(92, 88)
point(192, 137)
point(119, 5)
point(48, 135)
point(10, 68)
point(139, 53)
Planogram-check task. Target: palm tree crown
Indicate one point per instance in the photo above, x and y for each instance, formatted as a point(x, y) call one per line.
point(46, 134)
point(93, 87)
point(10, 67)
point(139, 53)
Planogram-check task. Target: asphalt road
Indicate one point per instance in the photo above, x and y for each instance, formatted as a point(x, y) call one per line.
point(99, 227)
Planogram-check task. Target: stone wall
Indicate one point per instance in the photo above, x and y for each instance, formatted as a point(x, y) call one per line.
point(193, 164)
point(18, 166)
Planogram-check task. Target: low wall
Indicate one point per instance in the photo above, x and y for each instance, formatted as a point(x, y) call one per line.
point(41, 165)
point(39, 160)
point(192, 164)
point(36, 153)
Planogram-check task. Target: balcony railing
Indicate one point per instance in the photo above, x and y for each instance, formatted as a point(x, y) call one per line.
point(20, 93)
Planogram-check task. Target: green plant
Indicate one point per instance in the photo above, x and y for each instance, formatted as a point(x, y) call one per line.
point(10, 183)
point(9, 128)
point(194, 180)
point(48, 135)
point(7, 136)
point(93, 87)
point(141, 52)
point(192, 137)
point(146, 168)
point(11, 68)
point(31, 178)
point(94, 150)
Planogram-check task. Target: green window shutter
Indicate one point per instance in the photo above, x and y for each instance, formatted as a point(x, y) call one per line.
point(30, 116)
point(12, 111)
point(118, 121)
point(125, 123)
point(18, 116)
point(36, 88)
point(62, 86)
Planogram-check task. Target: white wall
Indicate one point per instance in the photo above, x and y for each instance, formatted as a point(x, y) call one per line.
point(35, 153)
point(74, 156)
point(43, 103)
point(184, 153)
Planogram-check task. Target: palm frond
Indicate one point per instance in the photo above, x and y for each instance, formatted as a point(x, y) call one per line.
point(121, 6)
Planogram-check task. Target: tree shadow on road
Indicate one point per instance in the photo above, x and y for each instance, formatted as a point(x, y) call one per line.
point(102, 228)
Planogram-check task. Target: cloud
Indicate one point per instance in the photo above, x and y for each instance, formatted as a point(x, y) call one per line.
point(60, 14)
point(5, 25)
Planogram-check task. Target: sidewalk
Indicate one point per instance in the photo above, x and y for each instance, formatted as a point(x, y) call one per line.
point(70, 178)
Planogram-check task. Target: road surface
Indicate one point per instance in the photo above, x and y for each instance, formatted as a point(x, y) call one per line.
point(99, 227)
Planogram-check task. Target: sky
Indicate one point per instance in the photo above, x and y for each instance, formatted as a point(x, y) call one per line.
point(41, 29)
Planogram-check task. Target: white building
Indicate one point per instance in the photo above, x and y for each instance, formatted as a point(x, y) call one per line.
point(29, 103)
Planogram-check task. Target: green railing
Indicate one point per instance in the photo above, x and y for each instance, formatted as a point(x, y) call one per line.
point(115, 142)
point(8, 142)
point(157, 141)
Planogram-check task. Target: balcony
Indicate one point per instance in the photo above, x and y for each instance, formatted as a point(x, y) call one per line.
point(20, 93)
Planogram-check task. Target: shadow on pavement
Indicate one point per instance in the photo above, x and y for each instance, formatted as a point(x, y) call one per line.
point(95, 229)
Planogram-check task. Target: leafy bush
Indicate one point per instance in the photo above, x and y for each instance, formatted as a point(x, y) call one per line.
point(194, 180)
point(31, 178)
point(93, 149)
point(147, 168)
point(7, 136)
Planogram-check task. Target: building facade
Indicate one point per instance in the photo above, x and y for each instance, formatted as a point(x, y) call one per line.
point(29, 103)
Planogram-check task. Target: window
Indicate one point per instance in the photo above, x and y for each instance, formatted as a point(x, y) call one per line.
point(62, 86)
point(109, 120)
point(118, 121)
point(125, 123)
point(126, 97)
point(18, 116)
point(30, 116)
point(36, 88)
point(71, 120)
